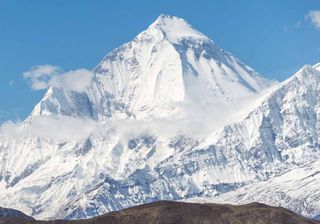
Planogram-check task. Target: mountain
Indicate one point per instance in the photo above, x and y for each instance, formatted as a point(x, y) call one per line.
point(166, 212)
point(168, 116)
point(165, 67)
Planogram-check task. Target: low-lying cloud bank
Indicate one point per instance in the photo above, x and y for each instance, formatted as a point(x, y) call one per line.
point(57, 128)
point(194, 122)
point(67, 129)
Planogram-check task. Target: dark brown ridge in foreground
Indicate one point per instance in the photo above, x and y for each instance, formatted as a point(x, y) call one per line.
point(168, 212)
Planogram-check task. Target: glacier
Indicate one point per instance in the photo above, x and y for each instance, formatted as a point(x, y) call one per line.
point(169, 115)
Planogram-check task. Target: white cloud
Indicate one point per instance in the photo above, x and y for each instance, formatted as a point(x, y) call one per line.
point(314, 16)
point(61, 128)
point(45, 76)
point(40, 76)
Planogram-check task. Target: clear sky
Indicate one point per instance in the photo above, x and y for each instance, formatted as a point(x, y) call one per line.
point(275, 37)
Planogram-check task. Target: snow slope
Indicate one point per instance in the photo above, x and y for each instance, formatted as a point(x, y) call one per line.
point(166, 117)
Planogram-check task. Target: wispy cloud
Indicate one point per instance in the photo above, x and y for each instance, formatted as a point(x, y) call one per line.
point(61, 128)
point(43, 76)
point(314, 17)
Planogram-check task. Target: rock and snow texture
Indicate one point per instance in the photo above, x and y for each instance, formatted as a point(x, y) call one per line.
point(138, 146)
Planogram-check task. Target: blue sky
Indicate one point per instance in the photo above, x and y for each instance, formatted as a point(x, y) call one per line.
point(275, 37)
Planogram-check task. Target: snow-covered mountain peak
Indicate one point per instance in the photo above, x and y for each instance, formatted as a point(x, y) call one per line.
point(167, 66)
point(176, 29)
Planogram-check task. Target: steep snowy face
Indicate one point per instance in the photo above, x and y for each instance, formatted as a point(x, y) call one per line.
point(64, 102)
point(166, 67)
point(282, 129)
